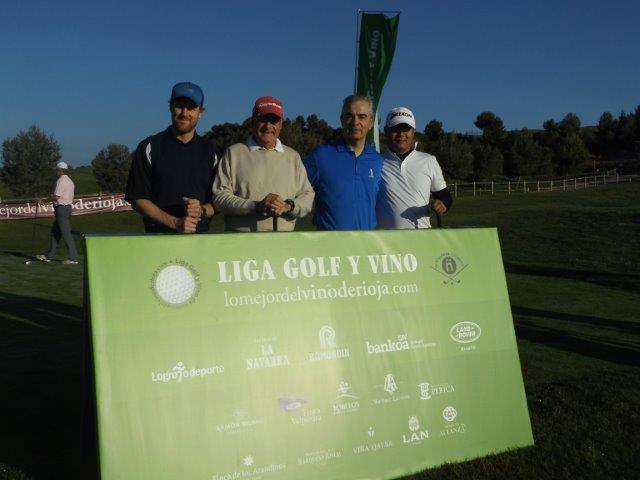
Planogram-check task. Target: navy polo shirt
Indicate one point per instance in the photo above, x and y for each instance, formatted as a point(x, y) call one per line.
point(164, 170)
point(346, 186)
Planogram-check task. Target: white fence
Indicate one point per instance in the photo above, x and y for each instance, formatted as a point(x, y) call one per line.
point(477, 189)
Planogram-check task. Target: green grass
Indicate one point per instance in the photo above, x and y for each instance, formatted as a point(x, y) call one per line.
point(573, 272)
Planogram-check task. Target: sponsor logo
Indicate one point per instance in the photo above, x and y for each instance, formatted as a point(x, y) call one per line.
point(320, 457)
point(268, 357)
point(307, 416)
point(465, 332)
point(269, 104)
point(415, 434)
point(251, 470)
point(450, 265)
point(389, 386)
point(429, 390)
point(372, 446)
point(399, 344)
point(175, 283)
point(290, 404)
point(241, 423)
point(302, 416)
point(345, 402)
point(401, 114)
point(180, 372)
point(329, 349)
point(370, 173)
point(450, 414)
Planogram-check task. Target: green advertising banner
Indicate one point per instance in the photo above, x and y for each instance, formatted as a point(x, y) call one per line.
point(377, 45)
point(301, 355)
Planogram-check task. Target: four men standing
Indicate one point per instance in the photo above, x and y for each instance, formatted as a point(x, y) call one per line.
point(262, 185)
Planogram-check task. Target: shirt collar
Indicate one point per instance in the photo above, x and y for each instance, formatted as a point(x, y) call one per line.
point(253, 145)
point(169, 133)
point(342, 146)
point(395, 156)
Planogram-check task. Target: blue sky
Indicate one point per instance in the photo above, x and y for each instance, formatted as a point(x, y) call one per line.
point(92, 74)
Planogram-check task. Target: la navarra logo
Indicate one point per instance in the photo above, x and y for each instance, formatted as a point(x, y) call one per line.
point(450, 266)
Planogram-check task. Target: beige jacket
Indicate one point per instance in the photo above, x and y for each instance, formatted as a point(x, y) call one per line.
point(246, 175)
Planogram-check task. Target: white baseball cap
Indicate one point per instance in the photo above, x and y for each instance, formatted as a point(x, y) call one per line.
point(62, 165)
point(400, 115)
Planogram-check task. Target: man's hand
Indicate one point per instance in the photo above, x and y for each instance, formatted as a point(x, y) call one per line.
point(439, 207)
point(186, 224)
point(192, 207)
point(273, 205)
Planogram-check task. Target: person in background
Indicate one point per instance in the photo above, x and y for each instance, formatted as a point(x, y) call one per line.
point(62, 199)
point(345, 175)
point(262, 184)
point(409, 178)
point(172, 171)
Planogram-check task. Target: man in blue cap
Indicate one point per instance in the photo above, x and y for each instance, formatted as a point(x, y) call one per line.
point(172, 171)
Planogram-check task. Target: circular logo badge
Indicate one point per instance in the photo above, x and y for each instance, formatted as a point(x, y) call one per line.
point(449, 265)
point(175, 284)
point(465, 332)
point(449, 414)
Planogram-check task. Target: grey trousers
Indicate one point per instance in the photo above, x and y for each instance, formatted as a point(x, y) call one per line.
point(62, 228)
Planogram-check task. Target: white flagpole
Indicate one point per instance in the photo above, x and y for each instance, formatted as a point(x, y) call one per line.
point(376, 132)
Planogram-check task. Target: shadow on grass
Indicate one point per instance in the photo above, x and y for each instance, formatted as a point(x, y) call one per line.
point(41, 353)
point(628, 282)
point(610, 350)
point(628, 326)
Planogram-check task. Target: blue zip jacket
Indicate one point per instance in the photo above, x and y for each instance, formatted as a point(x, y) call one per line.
point(346, 186)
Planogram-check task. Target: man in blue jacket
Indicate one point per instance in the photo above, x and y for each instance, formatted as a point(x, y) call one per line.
point(345, 175)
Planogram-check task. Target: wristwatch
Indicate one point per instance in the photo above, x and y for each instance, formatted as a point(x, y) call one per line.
point(291, 204)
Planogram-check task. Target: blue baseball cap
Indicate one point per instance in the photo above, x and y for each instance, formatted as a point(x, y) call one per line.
point(188, 90)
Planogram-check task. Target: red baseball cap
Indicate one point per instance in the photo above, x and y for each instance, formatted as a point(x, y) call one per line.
point(268, 105)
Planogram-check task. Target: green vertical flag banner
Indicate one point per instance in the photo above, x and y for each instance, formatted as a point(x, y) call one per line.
point(376, 48)
point(301, 355)
point(377, 44)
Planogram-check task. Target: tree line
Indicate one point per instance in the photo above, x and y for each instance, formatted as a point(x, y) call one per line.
point(560, 148)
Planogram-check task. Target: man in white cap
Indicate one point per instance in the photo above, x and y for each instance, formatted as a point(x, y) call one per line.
point(409, 178)
point(62, 199)
point(262, 184)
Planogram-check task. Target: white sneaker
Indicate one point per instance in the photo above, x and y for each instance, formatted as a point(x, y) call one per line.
point(43, 258)
point(68, 261)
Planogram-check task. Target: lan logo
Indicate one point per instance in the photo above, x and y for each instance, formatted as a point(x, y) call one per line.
point(449, 265)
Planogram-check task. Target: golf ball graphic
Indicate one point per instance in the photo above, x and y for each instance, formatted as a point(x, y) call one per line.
point(175, 284)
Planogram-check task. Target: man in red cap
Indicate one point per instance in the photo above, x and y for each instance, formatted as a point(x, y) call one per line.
point(262, 184)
